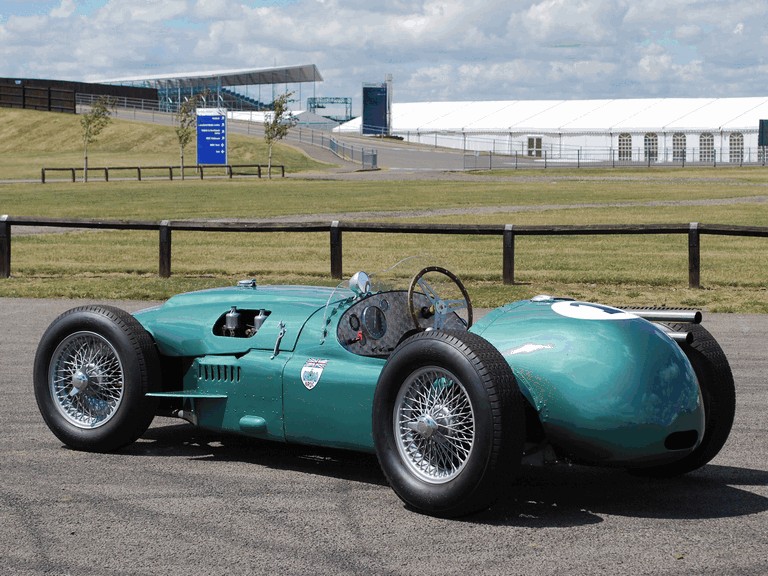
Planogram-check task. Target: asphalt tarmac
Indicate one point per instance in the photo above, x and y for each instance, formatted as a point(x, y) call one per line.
point(181, 501)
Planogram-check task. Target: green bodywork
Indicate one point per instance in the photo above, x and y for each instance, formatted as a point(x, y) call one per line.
point(608, 389)
point(231, 379)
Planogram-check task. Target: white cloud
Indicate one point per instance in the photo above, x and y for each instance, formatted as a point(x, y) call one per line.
point(139, 12)
point(65, 9)
point(436, 49)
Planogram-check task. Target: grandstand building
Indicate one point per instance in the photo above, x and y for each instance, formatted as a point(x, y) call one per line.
point(656, 130)
point(246, 89)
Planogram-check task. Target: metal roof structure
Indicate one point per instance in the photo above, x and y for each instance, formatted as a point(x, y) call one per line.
point(224, 78)
point(577, 116)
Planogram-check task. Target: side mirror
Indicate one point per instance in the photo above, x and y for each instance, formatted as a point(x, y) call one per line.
point(360, 284)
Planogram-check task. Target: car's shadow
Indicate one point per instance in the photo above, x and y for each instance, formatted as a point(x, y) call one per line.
point(562, 495)
point(549, 496)
point(186, 440)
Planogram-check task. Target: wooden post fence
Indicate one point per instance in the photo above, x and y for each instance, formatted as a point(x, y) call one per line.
point(694, 256)
point(336, 251)
point(508, 255)
point(165, 249)
point(508, 232)
point(5, 247)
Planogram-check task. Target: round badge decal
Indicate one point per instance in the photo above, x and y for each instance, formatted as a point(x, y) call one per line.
point(589, 311)
point(311, 372)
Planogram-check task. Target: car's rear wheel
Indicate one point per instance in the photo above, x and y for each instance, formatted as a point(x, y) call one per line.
point(93, 369)
point(448, 422)
point(718, 396)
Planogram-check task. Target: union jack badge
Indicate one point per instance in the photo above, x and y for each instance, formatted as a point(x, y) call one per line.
point(312, 371)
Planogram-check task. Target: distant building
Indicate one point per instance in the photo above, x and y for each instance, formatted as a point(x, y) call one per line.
point(654, 130)
point(61, 95)
point(243, 89)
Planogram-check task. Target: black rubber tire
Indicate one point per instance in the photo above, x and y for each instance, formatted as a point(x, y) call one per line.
point(498, 422)
point(138, 358)
point(718, 394)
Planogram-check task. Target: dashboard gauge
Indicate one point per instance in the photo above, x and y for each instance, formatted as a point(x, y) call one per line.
point(354, 322)
point(374, 322)
point(384, 304)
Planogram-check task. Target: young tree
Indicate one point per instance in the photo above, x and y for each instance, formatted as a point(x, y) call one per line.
point(93, 123)
point(186, 119)
point(276, 125)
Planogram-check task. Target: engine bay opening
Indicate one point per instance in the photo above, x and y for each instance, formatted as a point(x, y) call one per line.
point(240, 323)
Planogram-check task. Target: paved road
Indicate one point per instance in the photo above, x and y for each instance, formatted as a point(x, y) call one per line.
point(180, 501)
point(393, 156)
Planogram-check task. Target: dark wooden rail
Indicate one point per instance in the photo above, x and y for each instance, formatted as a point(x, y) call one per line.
point(335, 229)
point(229, 169)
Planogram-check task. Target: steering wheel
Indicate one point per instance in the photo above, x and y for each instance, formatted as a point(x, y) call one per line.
point(439, 309)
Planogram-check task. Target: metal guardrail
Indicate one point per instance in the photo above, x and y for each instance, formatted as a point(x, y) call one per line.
point(124, 102)
point(367, 157)
point(508, 233)
point(490, 160)
point(345, 151)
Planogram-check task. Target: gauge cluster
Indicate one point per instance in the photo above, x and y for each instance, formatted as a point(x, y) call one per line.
point(375, 325)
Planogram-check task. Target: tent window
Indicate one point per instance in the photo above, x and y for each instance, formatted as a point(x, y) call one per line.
point(625, 146)
point(651, 142)
point(678, 147)
point(706, 147)
point(736, 145)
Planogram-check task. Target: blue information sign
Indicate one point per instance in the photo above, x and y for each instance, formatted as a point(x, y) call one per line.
point(211, 136)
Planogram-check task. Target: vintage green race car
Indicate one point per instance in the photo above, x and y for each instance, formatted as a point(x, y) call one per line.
point(451, 407)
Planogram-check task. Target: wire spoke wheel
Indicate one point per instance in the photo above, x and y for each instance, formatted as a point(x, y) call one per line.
point(86, 380)
point(93, 369)
point(448, 422)
point(434, 425)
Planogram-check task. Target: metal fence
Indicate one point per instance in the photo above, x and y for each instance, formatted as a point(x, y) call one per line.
point(367, 158)
point(488, 160)
point(486, 152)
point(163, 113)
point(335, 229)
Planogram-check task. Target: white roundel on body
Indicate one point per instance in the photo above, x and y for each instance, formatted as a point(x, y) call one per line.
point(588, 311)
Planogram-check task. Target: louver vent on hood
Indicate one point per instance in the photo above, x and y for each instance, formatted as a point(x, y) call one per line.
point(218, 373)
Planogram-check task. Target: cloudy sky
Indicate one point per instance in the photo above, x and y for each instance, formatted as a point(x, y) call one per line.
point(435, 49)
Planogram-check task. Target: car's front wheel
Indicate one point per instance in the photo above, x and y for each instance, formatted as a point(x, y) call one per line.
point(448, 422)
point(93, 368)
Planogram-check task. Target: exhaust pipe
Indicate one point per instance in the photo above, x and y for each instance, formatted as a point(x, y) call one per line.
point(653, 315)
point(681, 337)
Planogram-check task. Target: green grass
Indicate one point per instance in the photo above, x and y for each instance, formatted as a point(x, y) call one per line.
point(31, 140)
point(572, 199)
point(624, 270)
point(638, 270)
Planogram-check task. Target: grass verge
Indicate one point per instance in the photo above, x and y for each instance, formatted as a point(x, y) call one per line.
point(624, 270)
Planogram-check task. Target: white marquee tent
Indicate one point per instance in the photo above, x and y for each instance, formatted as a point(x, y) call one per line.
point(656, 129)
